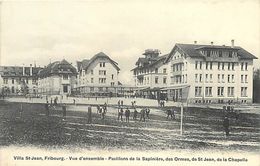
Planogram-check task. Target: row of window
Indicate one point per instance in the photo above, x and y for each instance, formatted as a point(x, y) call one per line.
point(147, 71)
point(218, 53)
point(220, 91)
point(221, 78)
point(19, 81)
point(179, 79)
point(221, 65)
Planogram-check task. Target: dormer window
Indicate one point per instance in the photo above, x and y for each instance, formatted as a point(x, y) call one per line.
point(208, 53)
point(230, 54)
point(220, 53)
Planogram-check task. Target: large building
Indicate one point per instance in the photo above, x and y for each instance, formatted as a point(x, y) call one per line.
point(150, 74)
point(97, 76)
point(18, 80)
point(57, 78)
point(210, 73)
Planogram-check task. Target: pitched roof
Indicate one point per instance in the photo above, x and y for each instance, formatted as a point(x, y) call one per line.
point(153, 61)
point(57, 67)
point(18, 71)
point(192, 50)
point(84, 64)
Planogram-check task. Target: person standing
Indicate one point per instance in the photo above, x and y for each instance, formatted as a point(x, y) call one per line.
point(89, 114)
point(226, 125)
point(147, 111)
point(120, 114)
point(135, 114)
point(142, 118)
point(122, 102)
point(47, 108)
point(127, 114)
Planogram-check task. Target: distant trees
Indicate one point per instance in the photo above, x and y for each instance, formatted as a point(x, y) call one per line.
point(256, 86)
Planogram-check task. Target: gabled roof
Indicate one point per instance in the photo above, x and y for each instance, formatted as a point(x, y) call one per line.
point(58, 67)
point(153, 61)
point(18, 71)
point(84, 64)
point(192, 50)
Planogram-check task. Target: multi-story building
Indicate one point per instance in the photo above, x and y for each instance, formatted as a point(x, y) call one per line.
point(97, 76)
point(150, 74)
point(57, 78)
point(18, 80)
point(210, 73)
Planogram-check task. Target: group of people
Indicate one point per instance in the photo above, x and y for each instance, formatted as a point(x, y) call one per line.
point(102, 110)
point(144, 113)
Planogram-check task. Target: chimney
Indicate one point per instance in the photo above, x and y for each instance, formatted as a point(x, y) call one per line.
point(30, 69)
point(211, 43)
point(232, 43)
point(23, 70)
point(195, 42)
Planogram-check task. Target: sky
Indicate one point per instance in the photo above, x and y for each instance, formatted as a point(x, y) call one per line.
point(45, 31)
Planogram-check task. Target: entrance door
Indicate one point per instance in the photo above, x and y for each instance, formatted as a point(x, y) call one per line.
point(65, 88)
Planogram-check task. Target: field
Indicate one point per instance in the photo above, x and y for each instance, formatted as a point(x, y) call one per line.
point(202, 129)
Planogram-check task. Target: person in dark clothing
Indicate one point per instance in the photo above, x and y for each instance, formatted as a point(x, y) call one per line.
point(135, 114)
point(47, 109)
point(120, 114)
point(118, 103)
point(74, 101)
point(122, 102)
point(142, 118)
point(172, 114)
point(127, 115)
point(89, 114)
point(147, 111)
point(169, 113)
point(226, 125)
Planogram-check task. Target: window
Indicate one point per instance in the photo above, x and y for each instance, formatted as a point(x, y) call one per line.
point(228, 78)
point(242, 66)
point(208, 53)
point(220, 91)
point(223, 66)
point(65, 88)
point(223, 78)
point(92, 80)
point(211, 65)
point(186, 78)
point(233, 78)
point(100, 89)
point(242, 78)
point(102, 64)
point(186, 66)
point(246, 66)
point(230, 54)
point(156, 80)
point(196, 64)
point(229, 65)
point(91, 89)
point(12, 80)
point(112, 84)
point(164, 80)
point(164, 70)
point(102, 72)
point(112, 76)
point(230, 91)
point(91, 72)
point(200, 77)
point(207, 65)
point(208, 91)
point(218, 78)
point(246, 79)
point(156, 70)
point(220, 53)
point(102, 80)
point(200, 64)
point(65, 77)
point(243, 91)
point(233, 66)
point(219, 65)
point(206, 78)
point(210, 77)
point(196, 77)
point(198, 91)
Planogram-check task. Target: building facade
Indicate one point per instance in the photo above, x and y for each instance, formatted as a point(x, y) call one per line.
point(150, 75)
point(18, 80)
point(57, 78)
point(98, 76)
point(210, 74)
